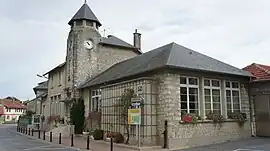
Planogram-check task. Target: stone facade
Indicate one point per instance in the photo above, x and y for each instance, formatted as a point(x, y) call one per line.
point(204, 132)
point(83, 63)
point(56, 85)
point(162, 96)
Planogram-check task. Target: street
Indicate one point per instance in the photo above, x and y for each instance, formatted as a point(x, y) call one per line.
point(12, 141)
point(252, 144)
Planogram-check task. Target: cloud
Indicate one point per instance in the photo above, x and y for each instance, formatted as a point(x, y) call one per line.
point(34, 33)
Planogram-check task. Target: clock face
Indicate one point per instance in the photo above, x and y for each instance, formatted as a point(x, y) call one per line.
point(88, 44)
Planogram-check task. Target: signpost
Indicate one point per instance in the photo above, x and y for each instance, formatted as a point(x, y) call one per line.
point(134, 116)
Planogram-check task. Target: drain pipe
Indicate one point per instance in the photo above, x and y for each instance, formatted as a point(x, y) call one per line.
point(251, 108)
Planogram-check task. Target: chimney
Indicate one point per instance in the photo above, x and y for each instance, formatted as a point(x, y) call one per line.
point(137, 39)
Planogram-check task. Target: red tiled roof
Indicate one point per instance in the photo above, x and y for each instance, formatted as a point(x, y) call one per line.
point(259, 71)
point(12, 104)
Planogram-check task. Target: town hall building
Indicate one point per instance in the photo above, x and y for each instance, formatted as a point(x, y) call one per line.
point(173, 83)
point(88, 54)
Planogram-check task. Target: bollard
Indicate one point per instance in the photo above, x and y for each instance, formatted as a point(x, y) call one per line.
point(50, 136)
point(26, 131)
point(44, 135)
point(29, 131)
point(72, 144)
point(165, 134)
point(60, 138)
point(111, 144)
point(87, 143)
point(38, 133)
point(32, 132)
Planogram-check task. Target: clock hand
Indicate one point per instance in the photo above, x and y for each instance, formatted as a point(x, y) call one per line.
point(88, 43)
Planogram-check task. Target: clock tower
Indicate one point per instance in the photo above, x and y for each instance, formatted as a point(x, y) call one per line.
point(81, 59)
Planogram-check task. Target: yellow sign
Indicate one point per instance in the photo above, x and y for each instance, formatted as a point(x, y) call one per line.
point(134, 116)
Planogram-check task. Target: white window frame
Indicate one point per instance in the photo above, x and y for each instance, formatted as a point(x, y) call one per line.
point(187, 85)
point(233, 89)
point(211, 95)
point(99, 100)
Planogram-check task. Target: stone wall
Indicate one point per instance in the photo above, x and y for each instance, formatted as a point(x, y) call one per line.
point(82, 63)
point(56, 93)
point(202, 133)
point(205, 133)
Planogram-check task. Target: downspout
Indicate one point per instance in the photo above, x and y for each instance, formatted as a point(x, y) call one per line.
point(251, 108)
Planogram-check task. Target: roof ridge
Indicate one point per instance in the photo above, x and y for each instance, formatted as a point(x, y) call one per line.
point(172, 44)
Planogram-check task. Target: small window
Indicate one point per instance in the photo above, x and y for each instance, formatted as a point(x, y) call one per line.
point(215, 83)
point(235, 85)
point(89, 23)
point(183, 80)
point(192, 81)
point(228, 84)
point(206, 82)
point(79, 23)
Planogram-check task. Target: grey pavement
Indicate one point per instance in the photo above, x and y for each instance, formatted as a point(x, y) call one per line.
point(252, 144)
point(12, 141)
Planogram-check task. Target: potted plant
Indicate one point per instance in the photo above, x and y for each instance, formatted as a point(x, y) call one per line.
point(240, 117)
point(189, 118)
point(216, 118)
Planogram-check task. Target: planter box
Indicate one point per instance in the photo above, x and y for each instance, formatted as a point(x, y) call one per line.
point(86, 133)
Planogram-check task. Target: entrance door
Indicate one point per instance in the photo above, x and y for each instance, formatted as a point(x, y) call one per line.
point(262, 115)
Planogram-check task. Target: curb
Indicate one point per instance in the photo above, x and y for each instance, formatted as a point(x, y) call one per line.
point(44, 141)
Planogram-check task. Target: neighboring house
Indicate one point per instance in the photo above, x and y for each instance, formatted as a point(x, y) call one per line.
point(88, 54)
point(172, 80)
point(10, 110)
point(260, 97)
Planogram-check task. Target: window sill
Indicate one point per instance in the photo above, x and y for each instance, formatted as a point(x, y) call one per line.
point(211, 121)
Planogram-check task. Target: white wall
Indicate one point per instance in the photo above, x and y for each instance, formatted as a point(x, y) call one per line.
point(13, 113)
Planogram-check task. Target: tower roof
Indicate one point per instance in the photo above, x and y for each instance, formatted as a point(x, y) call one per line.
point(85, 13)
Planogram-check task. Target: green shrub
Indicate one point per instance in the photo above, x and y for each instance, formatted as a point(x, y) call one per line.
point(77, 115)
point(98, 134)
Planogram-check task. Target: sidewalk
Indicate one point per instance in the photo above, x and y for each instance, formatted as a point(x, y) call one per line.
point(80, 142)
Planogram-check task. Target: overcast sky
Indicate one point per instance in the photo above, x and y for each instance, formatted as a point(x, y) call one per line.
point(34, 32)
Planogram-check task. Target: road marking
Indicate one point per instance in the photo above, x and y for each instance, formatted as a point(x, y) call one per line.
point(38, 147)
point(6, 139)
point(54, 148)
point(241, 149)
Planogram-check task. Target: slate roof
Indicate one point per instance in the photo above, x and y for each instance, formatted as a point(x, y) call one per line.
point(259, 71)
point(41, 86)
point(170, 55)
point(85, 13)
point(115, 41)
